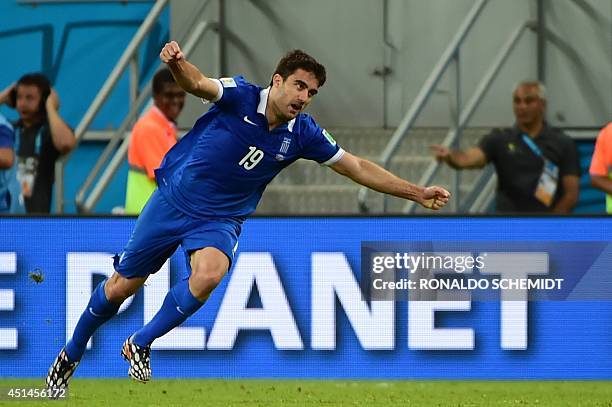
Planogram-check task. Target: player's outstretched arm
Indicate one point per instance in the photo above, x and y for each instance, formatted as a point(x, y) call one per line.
point(187, 75)
point(373, 176)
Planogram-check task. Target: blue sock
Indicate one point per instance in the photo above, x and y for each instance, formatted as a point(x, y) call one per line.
point(178, 305)
point(98, 311)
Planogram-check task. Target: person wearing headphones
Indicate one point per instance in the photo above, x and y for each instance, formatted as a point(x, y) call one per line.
point(41, 137)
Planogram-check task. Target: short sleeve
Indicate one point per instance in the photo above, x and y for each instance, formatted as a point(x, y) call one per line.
point(7, 136)
point(231, 92)
point(599, 162)
point(570, 164)
point(318, 144)
point(488, 144)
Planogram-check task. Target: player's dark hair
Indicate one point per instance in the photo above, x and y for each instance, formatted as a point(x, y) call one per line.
point(298, 59)
point(162, 77)
point(34, 79)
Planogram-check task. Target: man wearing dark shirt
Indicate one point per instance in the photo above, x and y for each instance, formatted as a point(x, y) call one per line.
point(537, 166)
point(41, 137)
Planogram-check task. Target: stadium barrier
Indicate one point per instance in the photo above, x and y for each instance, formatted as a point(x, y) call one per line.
point(292, 306)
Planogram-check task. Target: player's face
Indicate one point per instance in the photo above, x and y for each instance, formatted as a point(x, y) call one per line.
point(527, 105)
point(170, 100)
point(294, 94)
point(28, 102)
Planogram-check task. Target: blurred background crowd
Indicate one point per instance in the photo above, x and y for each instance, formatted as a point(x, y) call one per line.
point(506, 104)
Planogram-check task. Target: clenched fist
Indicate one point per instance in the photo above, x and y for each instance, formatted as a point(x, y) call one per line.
point(434, 198)
point(171, 52)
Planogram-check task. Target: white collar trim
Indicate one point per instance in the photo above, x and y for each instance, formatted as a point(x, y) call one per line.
point(263, 104)
point(263, 101)
point(290, 125)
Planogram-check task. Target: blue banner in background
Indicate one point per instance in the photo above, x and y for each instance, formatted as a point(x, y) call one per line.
point(292, 306)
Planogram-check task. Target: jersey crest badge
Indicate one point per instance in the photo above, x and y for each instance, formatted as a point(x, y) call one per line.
point(228, 82)
point(285, 146)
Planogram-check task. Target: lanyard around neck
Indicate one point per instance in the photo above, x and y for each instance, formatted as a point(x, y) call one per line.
point(532, 145)
point(37, 140)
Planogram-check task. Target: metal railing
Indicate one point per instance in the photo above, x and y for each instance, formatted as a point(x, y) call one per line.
point(425, 92)
point(472, 105)
point(126, 59)
point(449, 58)
point(477, 197)
point(484, 193)
point(119, 156)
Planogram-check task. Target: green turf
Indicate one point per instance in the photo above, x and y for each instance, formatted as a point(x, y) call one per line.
point(191, 392)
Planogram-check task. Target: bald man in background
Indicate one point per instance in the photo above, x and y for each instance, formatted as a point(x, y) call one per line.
point(537, 165)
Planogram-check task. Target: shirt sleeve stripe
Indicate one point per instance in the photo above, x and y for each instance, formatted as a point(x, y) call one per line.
point(219, 92)
point(335, 158)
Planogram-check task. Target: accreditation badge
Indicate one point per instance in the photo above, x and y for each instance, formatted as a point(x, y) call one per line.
point(547, 184)
point(26, 175)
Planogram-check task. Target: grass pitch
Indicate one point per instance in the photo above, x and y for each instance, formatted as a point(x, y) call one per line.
point(265, 393)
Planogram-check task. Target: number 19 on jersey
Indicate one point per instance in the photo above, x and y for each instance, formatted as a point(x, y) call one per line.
point(252, 158)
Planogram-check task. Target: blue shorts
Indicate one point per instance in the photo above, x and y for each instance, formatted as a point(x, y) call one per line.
point(161, 228)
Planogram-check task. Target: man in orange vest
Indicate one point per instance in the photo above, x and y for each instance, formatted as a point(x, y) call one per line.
point(601, 165)
point(152, 136)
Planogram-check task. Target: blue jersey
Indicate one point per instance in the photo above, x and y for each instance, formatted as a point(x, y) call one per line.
point(223, 165)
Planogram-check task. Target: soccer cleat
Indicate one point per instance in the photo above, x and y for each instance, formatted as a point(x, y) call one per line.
point(139, 358)
point(60, 372)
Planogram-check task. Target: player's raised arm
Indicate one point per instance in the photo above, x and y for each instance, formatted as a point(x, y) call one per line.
point(187, 75)
point(373, 176)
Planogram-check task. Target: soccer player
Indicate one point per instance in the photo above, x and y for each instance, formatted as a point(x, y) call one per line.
point(207, 185)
